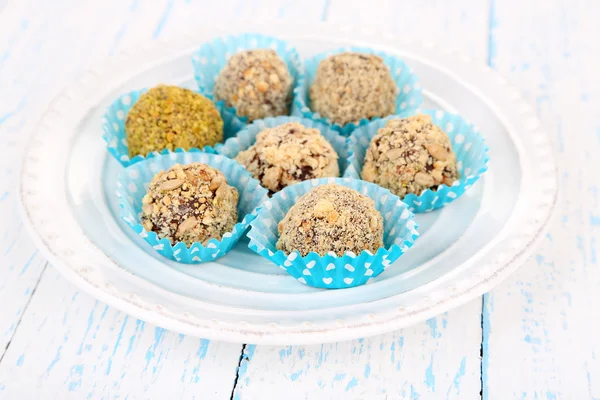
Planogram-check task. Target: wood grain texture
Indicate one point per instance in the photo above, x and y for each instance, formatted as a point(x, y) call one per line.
point(436, 359)
point(540, 326)
point(71, 346)
point(20, 265)
point(20, 272)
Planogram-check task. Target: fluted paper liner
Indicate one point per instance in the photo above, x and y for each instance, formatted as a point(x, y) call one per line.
point(132, 185)
point(467, 143)
point(247, 137)
point(113, 126)
point(332, 271)
point(409, 96)
point(211, 58)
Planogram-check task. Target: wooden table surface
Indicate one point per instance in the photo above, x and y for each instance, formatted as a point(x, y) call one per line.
point(532, 337)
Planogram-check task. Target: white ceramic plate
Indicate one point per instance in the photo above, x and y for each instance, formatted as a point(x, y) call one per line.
point(67, 194)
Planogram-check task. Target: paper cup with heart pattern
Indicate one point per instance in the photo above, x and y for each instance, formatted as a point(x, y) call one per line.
point(467, 143)
point(408, 98)
point(247, 137)
point(113, 127)
point(132, 185)
point(211, 58)
point(332, 271)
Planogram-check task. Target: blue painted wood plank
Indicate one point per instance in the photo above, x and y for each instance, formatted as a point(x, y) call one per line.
point(79, 347)
point(427, 360)
point(539, 339)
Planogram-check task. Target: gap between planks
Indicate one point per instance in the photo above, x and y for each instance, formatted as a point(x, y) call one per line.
point(483, 356)
point(237, 371)
point(18, 323)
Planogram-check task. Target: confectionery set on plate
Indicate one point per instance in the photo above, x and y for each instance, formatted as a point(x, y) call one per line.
point(321, 163)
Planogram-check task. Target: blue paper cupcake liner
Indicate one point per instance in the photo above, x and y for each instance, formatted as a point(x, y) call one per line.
point(409, 96)
point(132, 185)
point(332, 271)
point(468, 145)
point(246, 137)
point(113, 126)
point(212, 57)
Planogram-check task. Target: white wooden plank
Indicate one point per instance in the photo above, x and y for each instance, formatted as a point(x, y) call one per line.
point(71, 346)
point(540, 326)
point(460, 25)
point(425, 361)
point(20, 265)
point(20, 269)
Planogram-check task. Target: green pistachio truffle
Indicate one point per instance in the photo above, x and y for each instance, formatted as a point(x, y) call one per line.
point(168, 117)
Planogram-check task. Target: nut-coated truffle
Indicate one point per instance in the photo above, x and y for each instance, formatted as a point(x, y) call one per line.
point(331, 218)
point(190, 203)
point(351, 86)
point(288, 154)
point(410, 155)
point(257, 83)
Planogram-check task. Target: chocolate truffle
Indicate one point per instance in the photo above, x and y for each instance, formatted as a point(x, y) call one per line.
point(257, 83)
point(190, 203)
point(168, 117)
point(410, 155)
point(351, 86)
point(331, 218)
point(288, 154)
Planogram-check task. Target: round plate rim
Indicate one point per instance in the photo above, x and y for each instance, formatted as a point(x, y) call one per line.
point(437, 301)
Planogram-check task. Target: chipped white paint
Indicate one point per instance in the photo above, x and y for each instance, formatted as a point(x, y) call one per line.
point(20, 266)
point(541, 338)
point(72, 346)
point(437, 359)
point(538, 331)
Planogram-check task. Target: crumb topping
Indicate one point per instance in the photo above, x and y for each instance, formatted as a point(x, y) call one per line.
point(190, 203)
point(351, 86)
point(257, 83)
point(331, 218)
point(168, 117)
point(410, 155)
point(288, 154)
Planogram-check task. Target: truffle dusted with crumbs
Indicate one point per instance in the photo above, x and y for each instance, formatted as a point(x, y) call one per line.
point(257, 83)
point(168, 117)
point(190, 203)
point(289, 154)
point(410, 155)
point(351, 86)
point(331, 218)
